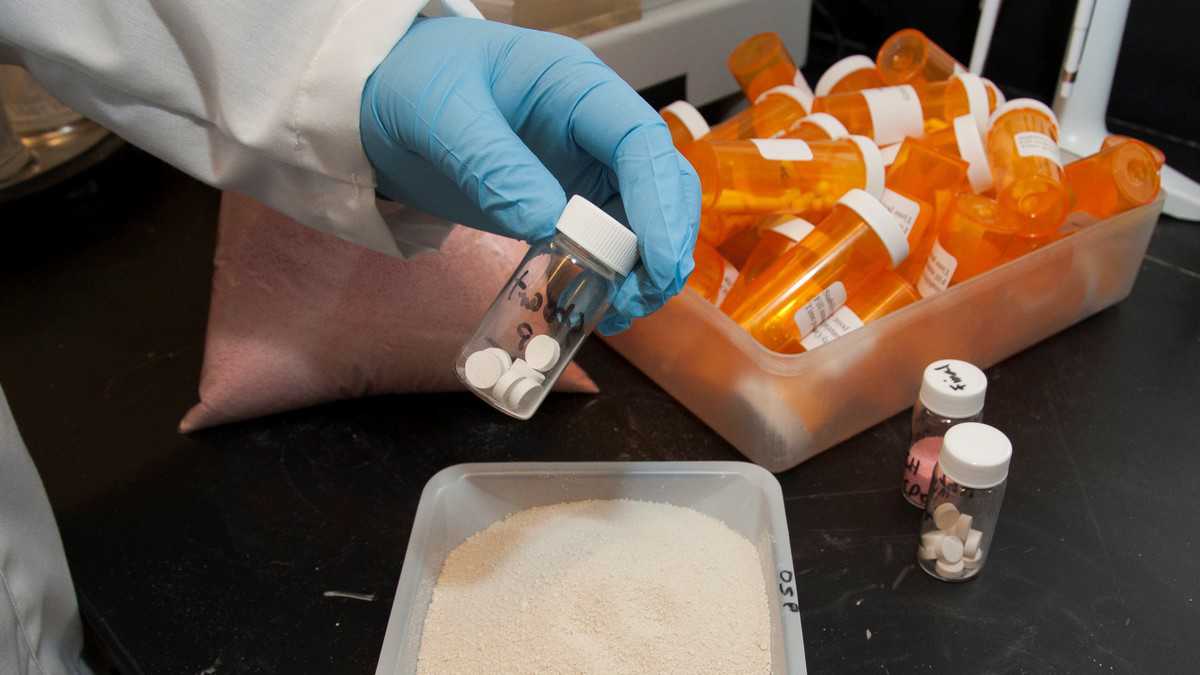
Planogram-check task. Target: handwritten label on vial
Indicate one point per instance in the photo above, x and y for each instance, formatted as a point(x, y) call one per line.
point(895, 113)
point(820, 308)
point(903, 209)
point(938, 272)
point(787, 591)
point(1034, 144)
point(842, 322)
point(785, 149)
point(795, 229)
point(918, 469)
point(727, 280)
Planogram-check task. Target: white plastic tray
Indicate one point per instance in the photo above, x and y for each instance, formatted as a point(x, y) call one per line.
point(464, 499)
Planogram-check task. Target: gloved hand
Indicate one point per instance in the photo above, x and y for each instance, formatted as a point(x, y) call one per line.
point(494, 126)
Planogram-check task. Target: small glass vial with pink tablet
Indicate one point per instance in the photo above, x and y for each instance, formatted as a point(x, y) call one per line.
point(952, 392)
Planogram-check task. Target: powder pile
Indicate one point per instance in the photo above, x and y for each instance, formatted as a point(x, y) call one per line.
point(600, 587)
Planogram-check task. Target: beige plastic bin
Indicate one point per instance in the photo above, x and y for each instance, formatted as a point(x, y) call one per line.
point(780, 410)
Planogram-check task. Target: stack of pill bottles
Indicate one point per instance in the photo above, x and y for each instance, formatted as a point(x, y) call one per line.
point(894, 179)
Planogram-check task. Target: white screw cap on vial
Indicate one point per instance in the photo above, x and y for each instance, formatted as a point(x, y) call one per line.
point(975, 455)
point(599, 234)
point(953, 388)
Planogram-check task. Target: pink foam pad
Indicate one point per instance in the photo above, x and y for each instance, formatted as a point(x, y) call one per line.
point(300, 317)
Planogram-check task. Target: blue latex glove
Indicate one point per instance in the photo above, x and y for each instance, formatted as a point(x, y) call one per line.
point(494, 126)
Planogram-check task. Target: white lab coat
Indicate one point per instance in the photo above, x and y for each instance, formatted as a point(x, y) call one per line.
point(257, 96)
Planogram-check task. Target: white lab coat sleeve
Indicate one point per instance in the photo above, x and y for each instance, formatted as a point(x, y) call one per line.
point(261, 97)
point(40, 630)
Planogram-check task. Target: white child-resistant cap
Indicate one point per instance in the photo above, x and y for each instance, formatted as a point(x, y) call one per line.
point(953, 388)
point(977, 99)
point(1023, 103)
point(970, 148)
point(840, 70)
point(975, 455)
point(884, 224)
point(804, 98)
point(831, 125)
point(690, 117)
point(873, 165)
point(599, 234)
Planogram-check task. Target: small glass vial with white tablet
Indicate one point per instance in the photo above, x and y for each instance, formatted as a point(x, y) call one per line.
point(554, 299)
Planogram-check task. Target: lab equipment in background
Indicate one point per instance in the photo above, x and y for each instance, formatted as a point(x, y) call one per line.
point(784, 175)
point(889, 114)
point(952, 392)
point(713, 275)
point(853, 73)
point(971, 239)
point(965, 496)
point(557, 294)
point(988, 9)
point(576, 19)
point(685, 123)
point(817, 127)
point(13, 153)
point(908, 56)
point(1119, 178)
point(762, 62)
point(1089, 67)
point(812, 280)
point(885, 293)
point(1022, 148)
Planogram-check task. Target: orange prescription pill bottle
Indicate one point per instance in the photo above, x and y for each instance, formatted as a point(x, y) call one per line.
point(909, 56)
point(971, 239)
point(1120, 178)
point(890, 114)
point(775, 239)
point(717, 228)
point(713, 276)
point(775, 111)
point(762, 62)
point(784, 175)
point(962, 139)
point(817, 127)
point(1117, 139)
point(685, 123)
point(812, 280)
point(920, 171)
point(914, 265)
point(883, 294)
point(1022, 149)
point(853, 73)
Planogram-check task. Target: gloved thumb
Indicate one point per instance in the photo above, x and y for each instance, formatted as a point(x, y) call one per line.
point(465, 138)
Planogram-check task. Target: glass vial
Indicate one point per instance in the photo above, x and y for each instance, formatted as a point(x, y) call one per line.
point(554, 299)
point(959, 524)
point(952, 392)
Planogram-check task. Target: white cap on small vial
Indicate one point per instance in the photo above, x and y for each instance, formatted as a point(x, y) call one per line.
point(542, 353)
point(873, 166)
point(483, 369)
point(691, 118)
point(838, 71)
point(953, 388)
point(599, 234)
point(881, 221)
point(975, 455)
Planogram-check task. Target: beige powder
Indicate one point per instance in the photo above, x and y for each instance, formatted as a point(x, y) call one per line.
point(600, 587)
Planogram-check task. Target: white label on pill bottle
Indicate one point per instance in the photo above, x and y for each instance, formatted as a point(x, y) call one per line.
point(843, 321)
point(903, 209)
point(938, 272)
point(895, 113)
point(792, 149)
point(727, 280)
point(795, 229)
point(1035, 144)
point(820, 308)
